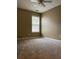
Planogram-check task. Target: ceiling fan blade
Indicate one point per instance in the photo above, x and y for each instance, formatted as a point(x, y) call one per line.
point(34, 0)
point(47, 1)
point(43, 4)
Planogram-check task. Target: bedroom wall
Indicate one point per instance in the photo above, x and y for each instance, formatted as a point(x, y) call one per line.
point(24, 24)
point(51, 23)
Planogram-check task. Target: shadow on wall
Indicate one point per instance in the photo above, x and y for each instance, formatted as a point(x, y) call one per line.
point(51, 23)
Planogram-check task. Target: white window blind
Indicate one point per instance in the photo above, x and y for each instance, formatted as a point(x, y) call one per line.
point(35, 23)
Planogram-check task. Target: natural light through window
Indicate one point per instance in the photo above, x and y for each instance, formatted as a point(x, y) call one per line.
point(35, 24)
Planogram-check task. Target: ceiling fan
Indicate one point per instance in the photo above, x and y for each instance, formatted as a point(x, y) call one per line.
point(41, 2)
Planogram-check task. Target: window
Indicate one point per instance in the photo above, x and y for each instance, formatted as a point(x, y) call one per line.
point(35, 23)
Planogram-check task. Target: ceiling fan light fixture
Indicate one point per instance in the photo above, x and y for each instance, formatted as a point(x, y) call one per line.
point(37, 10)
point(41, 2)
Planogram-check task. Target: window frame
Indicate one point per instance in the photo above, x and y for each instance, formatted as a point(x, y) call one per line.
point(39, 24)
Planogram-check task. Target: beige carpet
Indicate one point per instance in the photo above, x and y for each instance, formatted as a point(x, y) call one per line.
point(40, 48)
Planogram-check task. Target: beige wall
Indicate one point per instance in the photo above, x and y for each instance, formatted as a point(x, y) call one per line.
point(51, 23)
point(24, 23)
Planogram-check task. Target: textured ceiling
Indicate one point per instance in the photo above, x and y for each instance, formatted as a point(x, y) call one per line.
point(27, 4)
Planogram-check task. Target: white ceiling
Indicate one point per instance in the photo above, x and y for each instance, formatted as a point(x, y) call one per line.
point(27, 4)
